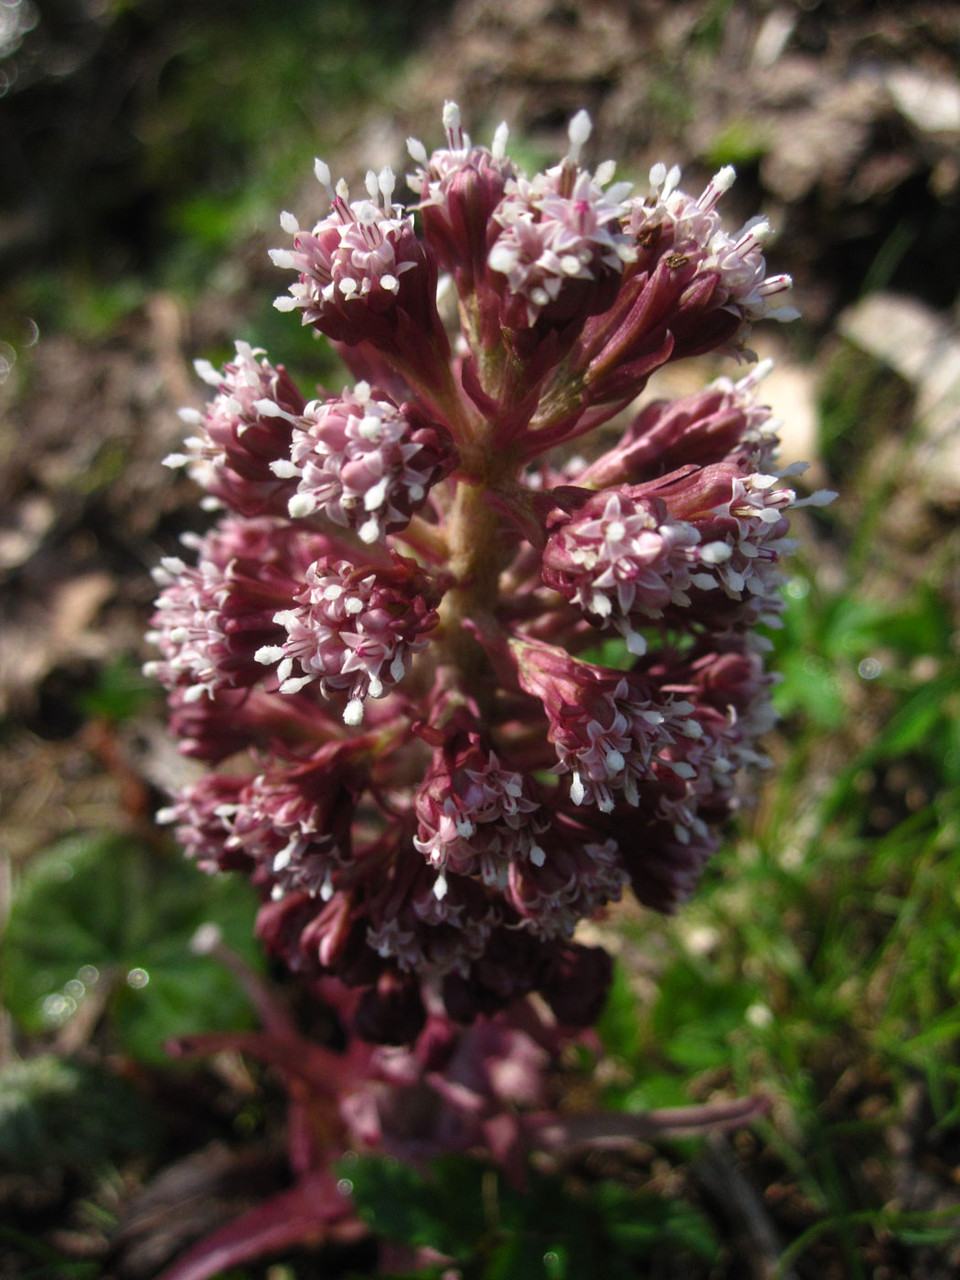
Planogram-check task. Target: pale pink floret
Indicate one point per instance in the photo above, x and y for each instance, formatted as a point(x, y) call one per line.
point(729, 703)
point(199, 815)
point(358, 251)
point(550, 239)
point(211, 618)
point(352, 630)
point(742, 519)
point(613, 755)
point(475, 816)
point(759, 543)
point(608, 732)
point(429, 931)
point(695, 230)
point(242, 430)
point(459, 187)
point(559, 227)
point(188, 627)
point(296, 827)
point(619, 557)
point(576, 878)
point(363, 463)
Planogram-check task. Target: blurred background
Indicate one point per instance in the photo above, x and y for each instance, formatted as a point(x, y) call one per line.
point(146, 148)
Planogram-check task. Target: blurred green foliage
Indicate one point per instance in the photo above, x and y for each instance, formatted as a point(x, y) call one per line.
point(495, 1232)
point(105, 917)
point(75, 1116)
point(119, 692)
point(861, 403)
point(177, 132)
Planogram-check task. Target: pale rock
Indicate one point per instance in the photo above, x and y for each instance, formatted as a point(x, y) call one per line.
point(923, 347)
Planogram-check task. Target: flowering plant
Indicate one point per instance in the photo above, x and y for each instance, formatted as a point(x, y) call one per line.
point(386, 646)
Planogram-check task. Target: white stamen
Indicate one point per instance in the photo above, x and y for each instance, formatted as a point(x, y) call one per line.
point(353, 713)
point(301, 505)
point(376, 494)
point(270, 409)
point(283, 258)
point(715, 553)
point(418, 152)
point(386, 183)
point(322, 172)
point(502, 258)
point(451, 125)
point(578, 132)
point(208, 373)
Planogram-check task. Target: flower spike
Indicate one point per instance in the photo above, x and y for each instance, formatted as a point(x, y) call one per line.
point(458, 689)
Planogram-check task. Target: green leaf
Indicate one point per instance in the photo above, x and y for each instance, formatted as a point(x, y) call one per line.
point(695, 1014)
point(808, 686)
point(106, 909)
point(445, 1209)
point(70, 1115)
point(617, 1027)
point(546, 1232)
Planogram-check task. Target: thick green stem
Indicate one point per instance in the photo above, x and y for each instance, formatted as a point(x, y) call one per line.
point(478, 553)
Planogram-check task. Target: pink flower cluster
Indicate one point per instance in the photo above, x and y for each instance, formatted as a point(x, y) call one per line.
point(387, 647)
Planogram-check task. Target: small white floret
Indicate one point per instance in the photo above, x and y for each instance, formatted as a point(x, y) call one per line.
point(301, 505)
